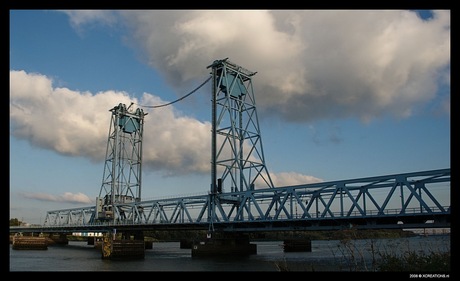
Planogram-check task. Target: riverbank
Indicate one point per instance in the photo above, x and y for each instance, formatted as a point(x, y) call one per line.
point(421, 254)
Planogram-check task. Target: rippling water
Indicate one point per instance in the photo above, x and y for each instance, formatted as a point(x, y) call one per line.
point(326, 255)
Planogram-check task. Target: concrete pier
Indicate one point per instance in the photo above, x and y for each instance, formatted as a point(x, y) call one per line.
point(186, 243)
point(59, 239)
point(228, 245)
point(29, 243)
point(122, 248)
point(297, 245)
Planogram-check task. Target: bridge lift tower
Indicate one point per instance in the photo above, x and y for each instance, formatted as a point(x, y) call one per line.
point(236, 141)
point(237, 152)
point(121, 182)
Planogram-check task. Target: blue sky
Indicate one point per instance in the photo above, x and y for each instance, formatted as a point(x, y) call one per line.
point(340, 95)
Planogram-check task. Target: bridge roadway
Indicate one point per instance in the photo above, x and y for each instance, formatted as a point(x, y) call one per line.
point(399, 201)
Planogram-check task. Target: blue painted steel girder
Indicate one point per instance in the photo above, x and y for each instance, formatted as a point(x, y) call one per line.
point(398, 199)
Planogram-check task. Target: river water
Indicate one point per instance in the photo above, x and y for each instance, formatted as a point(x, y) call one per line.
point(326, 255)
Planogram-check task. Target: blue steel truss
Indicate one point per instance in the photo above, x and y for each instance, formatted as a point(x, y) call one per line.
point(417, 197)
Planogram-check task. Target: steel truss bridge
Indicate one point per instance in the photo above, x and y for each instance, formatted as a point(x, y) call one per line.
point(394, 201)
point(252, 203)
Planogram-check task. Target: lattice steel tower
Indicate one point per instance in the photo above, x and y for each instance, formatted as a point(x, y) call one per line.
point(237, 153)
point(121, 181)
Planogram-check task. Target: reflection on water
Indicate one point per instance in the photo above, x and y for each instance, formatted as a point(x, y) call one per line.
point(326, 255)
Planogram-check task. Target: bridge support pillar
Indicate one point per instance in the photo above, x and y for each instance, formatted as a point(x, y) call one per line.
point(297, 245)
point(186, 243)
point(60, 239)
point(123, 246)
point(228, 244)
point(29, 242)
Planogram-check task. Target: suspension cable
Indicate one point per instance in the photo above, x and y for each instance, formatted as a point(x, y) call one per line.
point(169, 103)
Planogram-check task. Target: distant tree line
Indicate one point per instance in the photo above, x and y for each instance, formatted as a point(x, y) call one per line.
point(177, 235)
point(15, 222)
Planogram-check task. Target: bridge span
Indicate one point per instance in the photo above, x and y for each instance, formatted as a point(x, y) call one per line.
point(399, 201)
